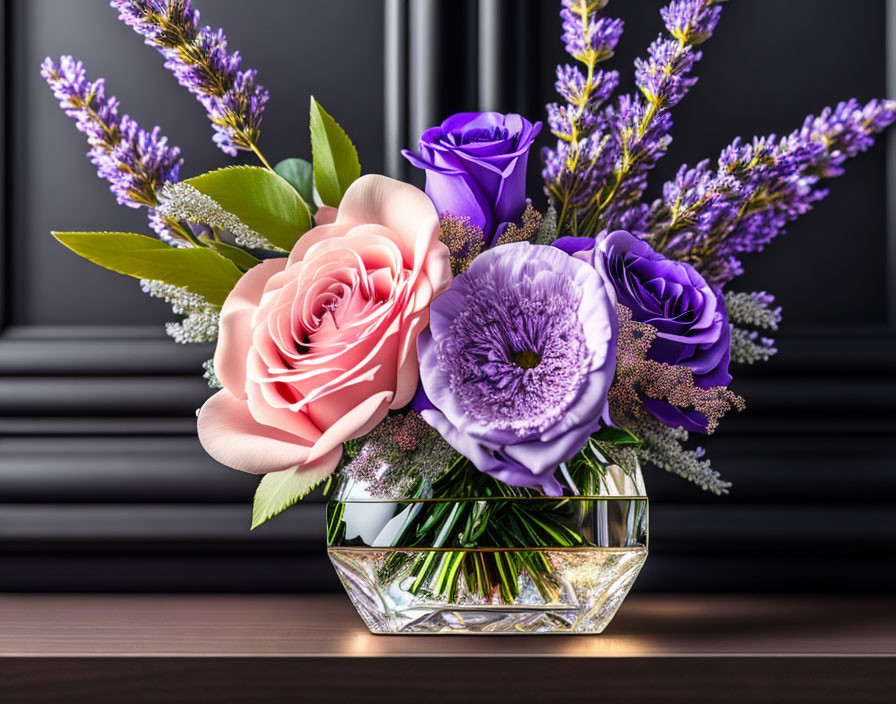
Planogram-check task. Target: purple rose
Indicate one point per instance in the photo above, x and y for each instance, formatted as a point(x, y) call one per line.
point(517, 361)
point(690, 317)
point(475, 166)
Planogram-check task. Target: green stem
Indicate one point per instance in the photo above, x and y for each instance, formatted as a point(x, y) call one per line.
point(261, 157)
point(437, 543)
point(490, 542)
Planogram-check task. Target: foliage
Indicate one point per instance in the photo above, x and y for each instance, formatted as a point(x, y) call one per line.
point(199, 270)
point(335, 158)
point(300, 175)
point(261, 199)
point(278, 491)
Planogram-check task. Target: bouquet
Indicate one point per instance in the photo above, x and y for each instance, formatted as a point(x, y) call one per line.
point(460, 342)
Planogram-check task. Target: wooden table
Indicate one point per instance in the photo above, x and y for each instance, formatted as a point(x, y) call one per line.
point(223, 649)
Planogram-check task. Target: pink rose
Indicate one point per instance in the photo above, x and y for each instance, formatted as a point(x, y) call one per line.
point(315, 349)
point(325, 215)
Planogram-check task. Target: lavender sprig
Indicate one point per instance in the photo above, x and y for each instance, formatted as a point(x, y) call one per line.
point(599, 168)
point(641, 123)
point(583, 155)
point(750, 315)
point(749, 347)
point(136, 163)
point(753, 309)
point(664, 447)
point(709, 217)
point(198, 58)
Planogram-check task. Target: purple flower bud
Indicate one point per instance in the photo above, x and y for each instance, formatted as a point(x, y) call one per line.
point(476, 167)
point(199, 60)
point(762, 185)
point(136, 163)
point(689, 21)
point(587, 37)
point(663, 77)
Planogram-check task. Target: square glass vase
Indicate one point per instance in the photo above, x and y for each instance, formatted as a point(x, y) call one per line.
point(426, 563)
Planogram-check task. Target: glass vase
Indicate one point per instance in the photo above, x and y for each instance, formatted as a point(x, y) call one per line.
point(492, 559)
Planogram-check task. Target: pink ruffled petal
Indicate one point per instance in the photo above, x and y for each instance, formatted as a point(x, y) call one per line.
point(438, 268)
point(358, 421)
point(271, 403)
point(325, 215)
point(230, 434)
point(405, 210)
point(313, 237)
point(235, 332)
point(329, 402)
point(407, 375)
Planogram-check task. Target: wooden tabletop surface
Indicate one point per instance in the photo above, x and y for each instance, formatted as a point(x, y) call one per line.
point(663, 646)
point(258, 626)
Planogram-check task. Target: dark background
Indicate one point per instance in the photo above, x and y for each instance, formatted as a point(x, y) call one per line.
point(103, 485)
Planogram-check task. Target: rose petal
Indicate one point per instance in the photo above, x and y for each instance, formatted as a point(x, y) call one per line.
point(407, 375)
point(397, 206)
point(354, 423)
point(234, 331)
point(325, 215)
point(230, 434)
point(313, 237)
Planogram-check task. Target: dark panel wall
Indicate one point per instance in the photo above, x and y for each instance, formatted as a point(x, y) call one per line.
point(103, 485)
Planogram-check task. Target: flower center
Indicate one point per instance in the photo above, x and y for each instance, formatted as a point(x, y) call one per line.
point(527, 359)
point(494, 134)
point(489, 355)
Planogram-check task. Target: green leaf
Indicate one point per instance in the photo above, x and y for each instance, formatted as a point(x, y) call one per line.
point(237, 255)
point(300, 175)
point(617, 436)
point(336, 162)
point(197, 269)
point(263, 201)
point(278, 491)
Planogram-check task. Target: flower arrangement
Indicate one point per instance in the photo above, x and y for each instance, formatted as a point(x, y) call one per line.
point(458, 342)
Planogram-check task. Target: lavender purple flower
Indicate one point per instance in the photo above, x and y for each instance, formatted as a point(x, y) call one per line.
point(598, 170)
point(577, 167)
point(587, 37)
point(475, 165)
point(691, 22)
point(199, 59)
point(517, 362)
point(709, 217)
point(641, 124)
point(686, 316)
point(664, 76)
point(136, 163)
point(846, 130)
